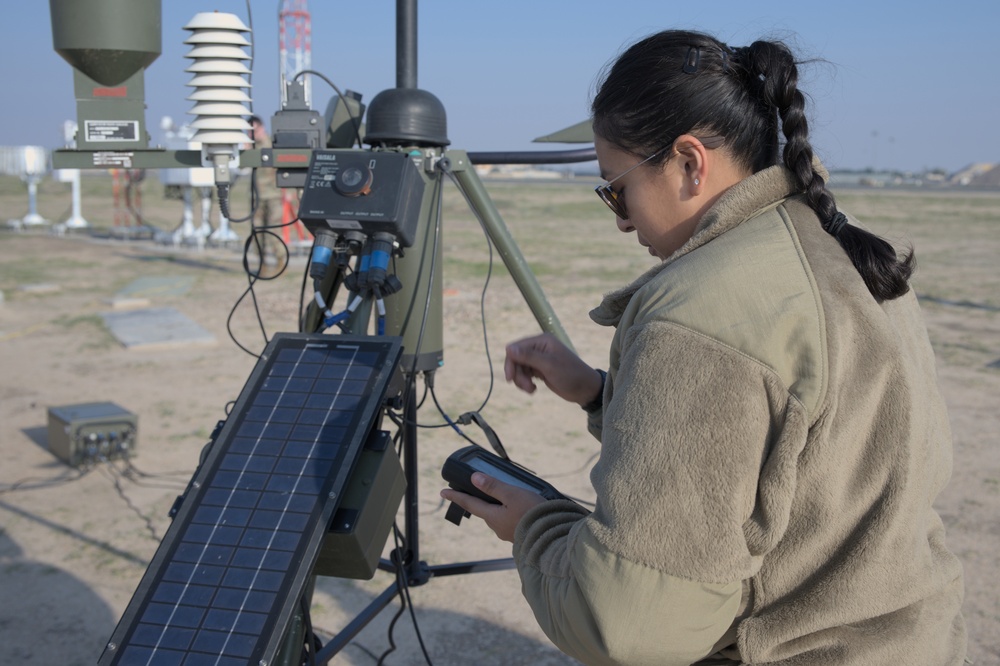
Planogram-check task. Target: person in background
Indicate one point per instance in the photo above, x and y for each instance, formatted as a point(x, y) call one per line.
point(772, 436)
point(268, 200)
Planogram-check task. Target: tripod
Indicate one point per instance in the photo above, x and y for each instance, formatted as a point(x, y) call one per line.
point(411, 120)
point(420, 274)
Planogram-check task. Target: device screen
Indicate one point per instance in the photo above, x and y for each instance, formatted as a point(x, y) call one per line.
point(481, 465)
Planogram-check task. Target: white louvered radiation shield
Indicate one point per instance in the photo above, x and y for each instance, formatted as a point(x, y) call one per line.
point(219, 82)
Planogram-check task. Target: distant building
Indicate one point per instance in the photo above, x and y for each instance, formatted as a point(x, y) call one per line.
point(520, 171)
point(981, 174)
point(869, 178)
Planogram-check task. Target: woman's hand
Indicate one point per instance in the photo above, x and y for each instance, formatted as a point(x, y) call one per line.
point(501, 518)
point(545, 358)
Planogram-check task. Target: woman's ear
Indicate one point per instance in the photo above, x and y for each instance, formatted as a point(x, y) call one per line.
point(692, 159)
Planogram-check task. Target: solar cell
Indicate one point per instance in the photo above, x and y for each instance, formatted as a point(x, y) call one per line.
point(230, 570)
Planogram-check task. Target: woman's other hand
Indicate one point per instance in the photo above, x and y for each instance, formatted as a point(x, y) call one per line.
point(545, 357)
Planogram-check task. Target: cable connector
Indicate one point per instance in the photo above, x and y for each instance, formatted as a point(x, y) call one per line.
point(322, 252)
point(469, 418)
point(330, 319)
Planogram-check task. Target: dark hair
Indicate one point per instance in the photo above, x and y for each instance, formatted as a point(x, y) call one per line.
point(675, 82)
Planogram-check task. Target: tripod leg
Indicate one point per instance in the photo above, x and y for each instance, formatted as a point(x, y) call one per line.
point(340, 641)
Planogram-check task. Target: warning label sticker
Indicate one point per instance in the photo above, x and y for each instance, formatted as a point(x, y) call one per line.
point(111, 130)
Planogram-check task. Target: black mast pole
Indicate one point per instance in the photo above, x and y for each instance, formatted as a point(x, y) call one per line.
point(406, 77)
point(406, 43)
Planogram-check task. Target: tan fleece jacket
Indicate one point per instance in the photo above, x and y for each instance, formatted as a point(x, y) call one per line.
point(772, 441)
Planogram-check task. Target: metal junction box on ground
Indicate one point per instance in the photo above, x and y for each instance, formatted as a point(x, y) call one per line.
point(91, 432)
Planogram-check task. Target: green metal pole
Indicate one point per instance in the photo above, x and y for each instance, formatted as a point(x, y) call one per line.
point(498, 232)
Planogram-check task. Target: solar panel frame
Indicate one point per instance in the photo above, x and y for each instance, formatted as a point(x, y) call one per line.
point(178, 573)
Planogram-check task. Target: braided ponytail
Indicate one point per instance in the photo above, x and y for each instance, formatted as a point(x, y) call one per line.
point(771, 67)
point(679, 81)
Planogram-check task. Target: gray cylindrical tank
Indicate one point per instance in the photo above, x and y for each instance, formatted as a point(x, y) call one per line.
point(108, 40)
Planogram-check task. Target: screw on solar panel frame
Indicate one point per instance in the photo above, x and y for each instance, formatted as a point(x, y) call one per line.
point(273, 466)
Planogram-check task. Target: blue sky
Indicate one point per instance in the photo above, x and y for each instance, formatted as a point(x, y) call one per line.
point(904, 85)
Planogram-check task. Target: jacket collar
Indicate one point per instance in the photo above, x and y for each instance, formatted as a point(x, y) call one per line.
point(739, 203)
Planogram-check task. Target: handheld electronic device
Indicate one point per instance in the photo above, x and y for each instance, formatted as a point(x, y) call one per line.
point(460, 466)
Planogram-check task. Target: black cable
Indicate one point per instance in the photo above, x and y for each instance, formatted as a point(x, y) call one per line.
point(229, 320)
point(404, 601)
point(138, 472)
point(482, 304)
point(259, 275)
point(486, 284)
point(254, 202)
point(175, 484)
point(167, 484)
point(396, 556)
point(112, 472)
point(38, 483)
point(354, 120)
point(361, 647)
point(410, 386)
point(423, 398)
point(450, 421)
point(354, 644)
point(482, 315)
point(266, 230)
point(397, 536)
point(253, 277)
point(400, 585)
point(392, 626)
point(395, 418)
point(223, 191)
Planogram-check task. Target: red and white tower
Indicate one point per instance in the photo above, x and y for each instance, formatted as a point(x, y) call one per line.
point(295, 53)
point(295, 43)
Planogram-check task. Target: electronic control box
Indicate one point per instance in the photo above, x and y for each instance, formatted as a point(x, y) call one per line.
point(363, 520)
point(91, 432)
point(365, 191)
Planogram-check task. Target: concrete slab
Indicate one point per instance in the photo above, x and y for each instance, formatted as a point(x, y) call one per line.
point(158, 285)
point(40, 288)
point(127, 302)
point(155, 328)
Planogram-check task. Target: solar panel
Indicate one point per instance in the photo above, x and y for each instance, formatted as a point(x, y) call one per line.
point(228, 574)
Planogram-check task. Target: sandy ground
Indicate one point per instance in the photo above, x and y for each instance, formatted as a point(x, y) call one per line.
point(73, 545)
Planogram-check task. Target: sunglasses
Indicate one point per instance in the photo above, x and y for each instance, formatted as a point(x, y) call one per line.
point(616, 202)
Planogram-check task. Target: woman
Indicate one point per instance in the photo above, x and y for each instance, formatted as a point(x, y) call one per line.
point(772, 438)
